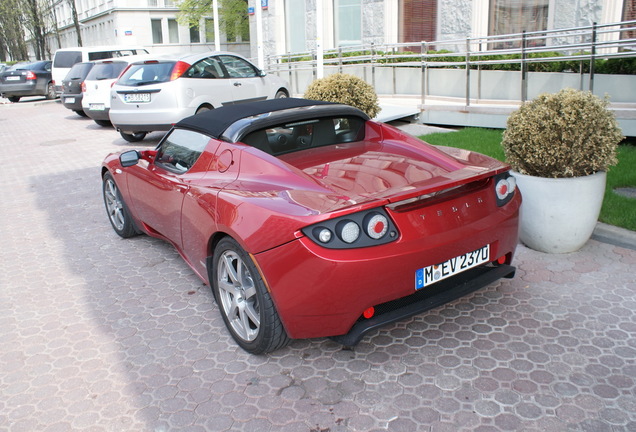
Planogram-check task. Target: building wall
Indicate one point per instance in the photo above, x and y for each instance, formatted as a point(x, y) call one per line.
point(456, 20)
point(128, 22)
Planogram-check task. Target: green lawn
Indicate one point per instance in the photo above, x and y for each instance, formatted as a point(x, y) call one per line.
point(617, 210)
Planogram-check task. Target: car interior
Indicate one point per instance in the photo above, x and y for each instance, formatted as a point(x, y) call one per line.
point(297, 136)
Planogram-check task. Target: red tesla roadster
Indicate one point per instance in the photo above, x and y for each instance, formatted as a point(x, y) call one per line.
point(308, 219)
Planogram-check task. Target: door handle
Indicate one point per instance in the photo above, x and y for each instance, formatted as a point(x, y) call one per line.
point(237, 84)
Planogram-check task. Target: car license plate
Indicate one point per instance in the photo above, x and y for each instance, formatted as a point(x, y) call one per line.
point(69, 100)
point(96, 107)
point(137, 97)
point(12, 78)
point(435, 273)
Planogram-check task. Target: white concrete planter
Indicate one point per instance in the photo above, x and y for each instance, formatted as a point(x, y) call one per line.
point(559, 215)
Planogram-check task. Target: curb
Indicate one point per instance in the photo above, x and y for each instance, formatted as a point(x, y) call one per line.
point(613, 235)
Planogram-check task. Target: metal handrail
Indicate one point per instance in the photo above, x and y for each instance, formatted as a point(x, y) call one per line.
point(576, 44)
point(392, 51)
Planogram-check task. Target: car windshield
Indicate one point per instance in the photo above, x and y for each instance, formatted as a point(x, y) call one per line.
point(146, 73)
point(106, 70)
point(301, 135)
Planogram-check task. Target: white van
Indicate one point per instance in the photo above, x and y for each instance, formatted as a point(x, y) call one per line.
point(64, 58)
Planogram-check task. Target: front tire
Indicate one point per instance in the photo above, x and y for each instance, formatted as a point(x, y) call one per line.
point(133, 137)
point(81, 113)
point(280, 94)
point(245, 304)
point(116, 208)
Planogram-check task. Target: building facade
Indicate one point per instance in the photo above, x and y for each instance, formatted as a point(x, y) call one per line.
point(289, 26)
point(149, 23)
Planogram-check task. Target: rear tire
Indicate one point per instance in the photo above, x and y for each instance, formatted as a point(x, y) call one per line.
point(280, 94)
point(104, 123)
point(14, 99)
point(81, 113)
point(203, 108)
point(50, 92)
point(133, 137)
point(244, 302)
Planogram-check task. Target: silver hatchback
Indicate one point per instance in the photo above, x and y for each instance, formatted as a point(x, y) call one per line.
point(154, 94)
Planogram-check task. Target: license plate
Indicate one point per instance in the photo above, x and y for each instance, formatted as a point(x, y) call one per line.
point(429, 275)
point(12, 78)
point(137, 97)
point(69, 100)
point(96, 107)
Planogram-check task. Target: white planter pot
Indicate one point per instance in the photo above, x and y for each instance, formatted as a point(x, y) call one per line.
point(559, 215)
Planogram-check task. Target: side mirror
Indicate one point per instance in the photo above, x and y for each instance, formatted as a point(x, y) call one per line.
point(129, 158)
point(261, 73)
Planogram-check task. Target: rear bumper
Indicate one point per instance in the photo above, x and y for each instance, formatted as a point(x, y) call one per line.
point(97, 114)
point(439, 294)
point(27, 89)
point(320, 292)
point(75, 105)
point(144, 119)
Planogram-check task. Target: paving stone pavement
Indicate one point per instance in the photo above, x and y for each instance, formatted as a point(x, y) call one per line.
point(98, 333)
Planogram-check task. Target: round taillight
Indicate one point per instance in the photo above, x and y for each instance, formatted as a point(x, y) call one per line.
point(502, 189)
point(348, 231)
point(376, 226)
point(512, 183)
point(322, 234)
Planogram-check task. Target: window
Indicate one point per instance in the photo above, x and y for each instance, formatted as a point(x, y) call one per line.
point(238, 68)
point(195, 37)
point(173, 31)
point(207, 68)
point(157, 34)
point(516, 16)
point(629, 14)
point(418, 22)
point(348, 22)
point(304, 134)
point(295, 16)
point(209, 30)
point(180, 150)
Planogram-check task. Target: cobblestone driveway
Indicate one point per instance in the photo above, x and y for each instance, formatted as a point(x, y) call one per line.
point(104, 334)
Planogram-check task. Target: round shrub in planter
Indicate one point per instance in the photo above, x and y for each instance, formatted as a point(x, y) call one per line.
point(566, 135)
point(345, 89)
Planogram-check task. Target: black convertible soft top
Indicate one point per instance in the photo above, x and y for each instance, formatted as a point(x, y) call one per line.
point(232, 122)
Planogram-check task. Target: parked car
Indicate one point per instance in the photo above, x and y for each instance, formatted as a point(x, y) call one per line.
point(65, 58)
point(310, 220)
point(72, 87)
point(96, 88)
point(154, 94)
point(27, 79)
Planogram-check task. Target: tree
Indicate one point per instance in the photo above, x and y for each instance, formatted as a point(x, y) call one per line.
point(11, 31)
point(34, 23)
point(233, 19)
point(71, 3)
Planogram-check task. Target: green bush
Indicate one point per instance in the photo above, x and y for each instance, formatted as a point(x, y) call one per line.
point(566, 134)
point(345, 89)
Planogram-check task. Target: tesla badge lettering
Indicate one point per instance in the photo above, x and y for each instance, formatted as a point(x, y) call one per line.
point(454, 209)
